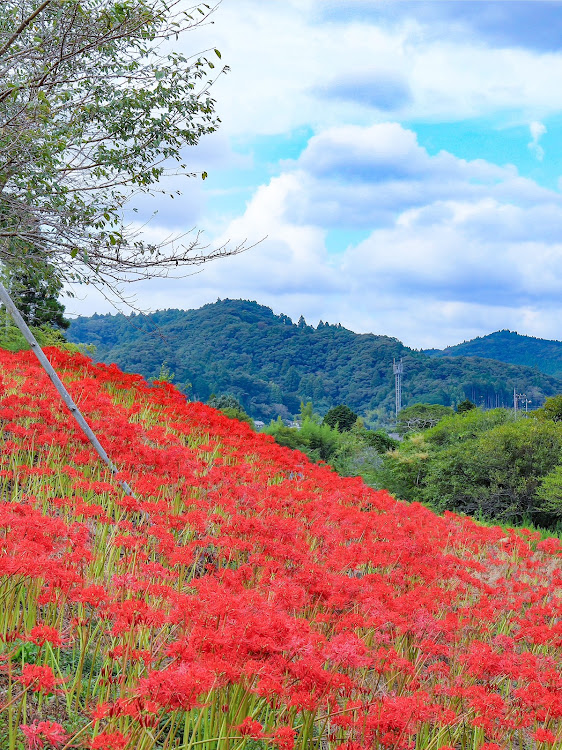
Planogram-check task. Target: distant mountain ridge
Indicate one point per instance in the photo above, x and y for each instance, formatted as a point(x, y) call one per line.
point(509, 346)
point(272, 364)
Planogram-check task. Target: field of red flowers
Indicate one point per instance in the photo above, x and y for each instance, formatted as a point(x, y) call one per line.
point(246, 598)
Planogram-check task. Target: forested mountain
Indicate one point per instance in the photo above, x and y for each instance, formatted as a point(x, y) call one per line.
point(508, 346)
point(272, 364)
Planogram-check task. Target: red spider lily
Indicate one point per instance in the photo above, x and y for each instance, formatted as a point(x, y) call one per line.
point(110, 741)
point(250, 728)
point(36, 735)
point(39, 678)
point(544, 735)
point(241, 569)
point(284, 738)
point(41, 634)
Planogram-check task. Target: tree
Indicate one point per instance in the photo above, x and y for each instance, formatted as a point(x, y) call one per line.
point(307, 412)
point(380, 440)
point(551, 409)
point(91, 113)
point(35, 289)
point(549, 492)
point(466, 405)
point(421, 416)
point(481, 463)
point(498, 473)
point(341, 417)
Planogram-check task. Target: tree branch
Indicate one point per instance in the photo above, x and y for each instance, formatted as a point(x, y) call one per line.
point(24, 25)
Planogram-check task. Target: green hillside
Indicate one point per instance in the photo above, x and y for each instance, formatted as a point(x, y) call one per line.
point(270, 363)
point(512, 347)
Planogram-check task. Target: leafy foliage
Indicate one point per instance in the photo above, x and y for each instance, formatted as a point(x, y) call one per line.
point(271, 364)
point(551, 409)
point(12, 339)
point(353, 452)
point(93, 111)
point(35, 289)
point(231, 407)
point(421, 417)
point(486, 464)
point(341, 417)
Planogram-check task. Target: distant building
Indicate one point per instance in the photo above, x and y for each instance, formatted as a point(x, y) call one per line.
point(258, 424)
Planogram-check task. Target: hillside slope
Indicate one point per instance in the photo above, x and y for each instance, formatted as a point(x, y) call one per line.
point(245, 595)
point(511, 347)
point(272, 364)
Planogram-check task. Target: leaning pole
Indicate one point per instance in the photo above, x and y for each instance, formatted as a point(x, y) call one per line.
point(56, 381)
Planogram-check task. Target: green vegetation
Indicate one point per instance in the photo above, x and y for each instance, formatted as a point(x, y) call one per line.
point(96, 106)
point(271, 364)
point(12, 339)
point(465, 405)
point(35, 288)
point(486, 464)
point(421, 417)
point(341, 418)
point(356, 451)
point(508, 346)
point(231, 407)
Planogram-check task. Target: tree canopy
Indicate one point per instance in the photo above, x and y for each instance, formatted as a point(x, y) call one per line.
point(489, 464)
point(35, 289)
point(551, 409)
point(94, 107)
point(341, 418)
point(421, 416)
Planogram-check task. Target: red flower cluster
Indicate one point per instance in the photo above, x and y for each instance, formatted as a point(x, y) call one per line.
point(245, 593)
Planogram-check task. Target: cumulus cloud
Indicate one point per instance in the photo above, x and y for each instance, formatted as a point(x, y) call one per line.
point(366, 64)
point(537, 130)
point(454, 248)
point(364, 177)
point(383, 90)
point(531, 24)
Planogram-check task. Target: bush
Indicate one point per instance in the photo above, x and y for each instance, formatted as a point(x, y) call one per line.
point(481, 463)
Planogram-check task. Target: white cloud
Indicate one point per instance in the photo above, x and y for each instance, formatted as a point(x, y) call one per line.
point(455, 248)
point(537, 131)
point(280, 53)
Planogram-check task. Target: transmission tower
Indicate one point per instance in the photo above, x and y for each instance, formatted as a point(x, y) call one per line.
point(398, 368)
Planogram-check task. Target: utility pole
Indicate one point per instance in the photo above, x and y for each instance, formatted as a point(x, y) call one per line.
point(516, 397)
point(398, 368)
point(56, 381)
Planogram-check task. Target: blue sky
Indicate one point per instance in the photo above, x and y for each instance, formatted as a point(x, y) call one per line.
point(400, 161)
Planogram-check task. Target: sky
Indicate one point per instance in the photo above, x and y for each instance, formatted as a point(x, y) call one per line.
point(395, 164)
